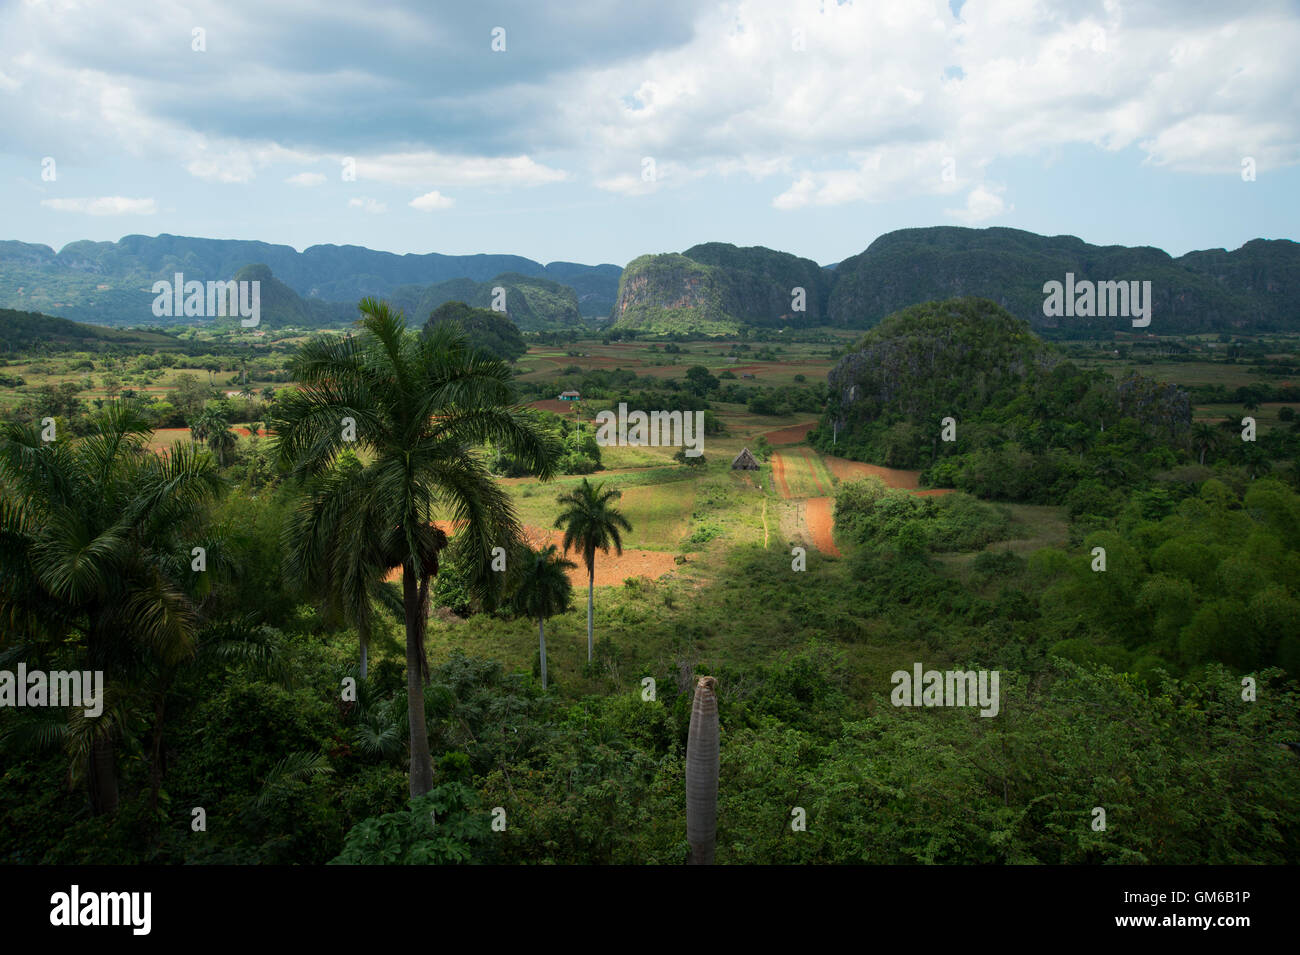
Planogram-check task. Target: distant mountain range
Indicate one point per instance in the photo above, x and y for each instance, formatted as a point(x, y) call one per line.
point(109, 283)
point(710, 289)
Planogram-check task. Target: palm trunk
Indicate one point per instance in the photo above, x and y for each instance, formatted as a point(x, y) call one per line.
point(157, 764)
point(591, 589)
point(421, 762)
point(541, 638)
point(702, 773)
point(364, 638)
point(101, 768)
point(103, 776)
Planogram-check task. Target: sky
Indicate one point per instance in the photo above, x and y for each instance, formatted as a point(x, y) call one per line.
point(600, 130)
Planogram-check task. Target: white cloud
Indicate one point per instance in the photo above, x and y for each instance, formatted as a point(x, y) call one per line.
point(366, 204)
point(435, 169)
point(982, 202)
point(880, 90)
point(431, 201)
point(651, 174)
point(307, 179)
point(104, 206)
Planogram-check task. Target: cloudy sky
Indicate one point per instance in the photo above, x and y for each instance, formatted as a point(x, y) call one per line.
point(595, 131)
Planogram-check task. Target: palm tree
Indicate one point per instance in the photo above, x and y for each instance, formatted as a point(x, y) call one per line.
point(1258, 461)
point(222, 440)
point(328, 556)
point(590, 524)
point(95, 549)
point(1109, 469)
point(1204, 438)
point(544, 590)
point(419, 406)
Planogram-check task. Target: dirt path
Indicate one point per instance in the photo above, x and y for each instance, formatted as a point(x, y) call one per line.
point(819, 517)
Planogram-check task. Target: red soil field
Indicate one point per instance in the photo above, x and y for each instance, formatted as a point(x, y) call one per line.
point(847, 470)
point(611, 569)
point(791, 435)
point(819, 516)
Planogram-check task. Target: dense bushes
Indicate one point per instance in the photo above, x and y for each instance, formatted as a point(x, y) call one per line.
point(875, 514)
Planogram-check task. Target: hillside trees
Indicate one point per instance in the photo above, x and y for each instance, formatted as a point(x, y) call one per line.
point(98, 539)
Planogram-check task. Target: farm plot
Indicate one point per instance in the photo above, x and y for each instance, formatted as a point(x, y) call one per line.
point(800, 473)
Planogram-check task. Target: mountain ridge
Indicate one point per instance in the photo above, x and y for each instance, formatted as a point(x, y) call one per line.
point(711, 288)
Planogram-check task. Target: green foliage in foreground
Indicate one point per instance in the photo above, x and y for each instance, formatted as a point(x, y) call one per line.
point(875, 514)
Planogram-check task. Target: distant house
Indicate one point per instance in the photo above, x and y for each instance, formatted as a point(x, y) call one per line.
point(745, 461)
point(746, 375)
point(569, 396)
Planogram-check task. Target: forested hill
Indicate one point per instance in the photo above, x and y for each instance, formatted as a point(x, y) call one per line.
point(967, 391)
point(531, 303)
point(1256, 287)
point(23, 330)
point(97, 281)
point(713, 288)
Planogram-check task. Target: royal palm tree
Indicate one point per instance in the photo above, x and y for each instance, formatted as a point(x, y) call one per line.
point(544, 590)
point(96, 537)
point(418, 407)
point(1205, 437)
point(590, 524)
point(329, 557)
point(221, 440)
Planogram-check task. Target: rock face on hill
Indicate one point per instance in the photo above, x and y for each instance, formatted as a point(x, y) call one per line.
point(714, 288)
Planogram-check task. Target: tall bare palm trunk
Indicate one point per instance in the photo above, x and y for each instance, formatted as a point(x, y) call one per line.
point(591, 589)
point(702, 773)
point(103, 776)
point(363, 637)
point(421, 762)
point(101, 767)
point(541, 637)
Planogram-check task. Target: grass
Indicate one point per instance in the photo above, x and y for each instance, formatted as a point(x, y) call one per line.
point(731, 619)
